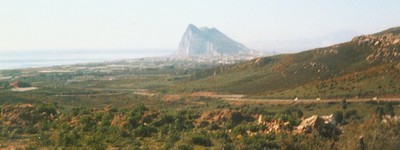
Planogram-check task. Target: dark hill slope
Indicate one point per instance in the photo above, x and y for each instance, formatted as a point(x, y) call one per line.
point(366, 66)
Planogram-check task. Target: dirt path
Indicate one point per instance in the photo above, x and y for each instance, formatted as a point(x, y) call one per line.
point(144, 92)
point(88, 95)
point(306, 101)
point(241, 99)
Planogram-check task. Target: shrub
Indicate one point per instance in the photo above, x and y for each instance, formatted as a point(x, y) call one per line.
point(260, 142)
point(144, 131)
point(222, 136)
point(135, 115)
point(202, 140)
point(294, 112)
point(23, 84)
point(344, 104)
point(350, 114)
point(4, 84)
point(372, 102)
point(240, 129)
point(214, 126)
point(338, 116)
point(47, 109)
point(185, 147)
point(87, 122)
point(389, 110)
point(164, 119)
point(237, 117)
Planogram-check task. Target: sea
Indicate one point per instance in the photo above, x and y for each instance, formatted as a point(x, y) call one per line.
point(45, 58)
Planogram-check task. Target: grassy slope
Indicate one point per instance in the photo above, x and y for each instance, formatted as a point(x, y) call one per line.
point(333, 71)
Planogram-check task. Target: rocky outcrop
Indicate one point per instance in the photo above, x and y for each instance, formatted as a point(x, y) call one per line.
point(386, 47)
point(324, 125)
point(208, 42)
point(217, 116)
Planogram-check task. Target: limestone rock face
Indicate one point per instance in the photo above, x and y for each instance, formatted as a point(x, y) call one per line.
point(208, 42)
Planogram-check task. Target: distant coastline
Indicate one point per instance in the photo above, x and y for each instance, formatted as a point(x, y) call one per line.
point(47, 58)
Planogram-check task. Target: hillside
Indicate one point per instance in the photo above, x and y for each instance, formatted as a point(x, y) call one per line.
point(366, 66)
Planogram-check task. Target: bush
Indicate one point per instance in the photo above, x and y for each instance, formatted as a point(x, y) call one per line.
point(79, 111)
point(214, 126)
point(372, 102)
point(135, 115)
point(237, 117)
point(202, 140)
point(338, 116)
point(260, 142)
point(240, 129)
point(23, 84)
point(222, 136)
point(184, 119)
point(185, 147)
point(344, 104)
point(4, 84)
point(87, 122)
point(389, 110)
point(144, 131)
point(164, 119)
point(350, 114)
point(228, 146)
point(294, 112)
point(46, 109)
point(379, 111)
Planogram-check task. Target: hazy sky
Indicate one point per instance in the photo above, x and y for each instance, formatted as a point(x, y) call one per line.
point(132, 24)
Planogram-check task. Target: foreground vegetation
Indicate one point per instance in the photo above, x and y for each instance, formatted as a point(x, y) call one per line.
point(209, 123)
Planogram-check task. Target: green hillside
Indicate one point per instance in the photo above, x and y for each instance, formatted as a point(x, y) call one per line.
point(365, 66)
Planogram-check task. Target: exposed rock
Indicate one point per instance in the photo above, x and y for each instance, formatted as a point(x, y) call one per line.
point(221, 116)
point(384, 46)
point(308, 124)
point(260, 119)
point(275, 126)
point(217, 116)
point(119, 121)
point(396, 41)
point(390, 119)
point(272, 126)
point(208, 42)
point(324, 125)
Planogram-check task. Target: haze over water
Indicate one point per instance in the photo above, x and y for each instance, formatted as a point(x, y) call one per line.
point(45, 58)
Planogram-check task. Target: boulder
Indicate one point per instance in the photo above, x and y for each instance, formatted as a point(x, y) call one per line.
point(325, 125)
